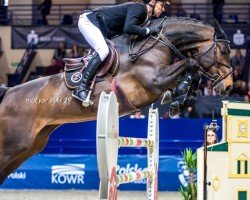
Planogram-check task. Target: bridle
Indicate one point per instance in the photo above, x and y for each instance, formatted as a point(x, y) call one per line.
point(215, 78)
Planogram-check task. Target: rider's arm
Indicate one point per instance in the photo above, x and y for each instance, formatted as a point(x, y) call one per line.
point(134, 17)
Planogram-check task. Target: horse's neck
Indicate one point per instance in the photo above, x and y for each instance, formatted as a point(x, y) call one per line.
point(188, 34)
point(122, 43)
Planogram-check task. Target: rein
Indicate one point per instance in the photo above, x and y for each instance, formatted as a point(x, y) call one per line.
point(160, 38)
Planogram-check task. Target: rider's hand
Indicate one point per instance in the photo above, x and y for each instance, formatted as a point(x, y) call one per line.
point(155, 29)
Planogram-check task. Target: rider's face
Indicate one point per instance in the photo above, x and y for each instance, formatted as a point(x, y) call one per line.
point(159, 8)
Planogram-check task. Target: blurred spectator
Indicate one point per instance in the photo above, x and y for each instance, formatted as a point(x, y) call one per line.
point(210, 92)
point(176, 116)
point(165, 115)
point(240, 88)
point(74, 52)
point(238, 61)
point(191, 113)
point(236, 87)
point(83, 51)
point(208, 88)
point(248, 93)
point(60, 53)
point(2, 84)
point(212, 137)
point(243, 90)
point(236, 75)
point(54, 68)
point(246, 99)
point(45, 10)
point(137, 115)
point(218, 9)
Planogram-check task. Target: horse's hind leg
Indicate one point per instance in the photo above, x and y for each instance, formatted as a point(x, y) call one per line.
point(38, 144)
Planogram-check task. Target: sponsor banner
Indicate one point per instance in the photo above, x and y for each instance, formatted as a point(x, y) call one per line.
point(68, 174)
point(46, 37)
point(238, 35)
point(45, 171)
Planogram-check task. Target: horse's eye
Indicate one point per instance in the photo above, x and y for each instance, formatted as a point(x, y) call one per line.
point(225, 51)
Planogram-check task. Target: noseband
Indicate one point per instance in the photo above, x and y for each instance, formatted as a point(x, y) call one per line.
point(215, 78)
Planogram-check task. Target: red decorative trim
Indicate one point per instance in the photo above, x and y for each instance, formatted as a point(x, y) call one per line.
point(126, 104)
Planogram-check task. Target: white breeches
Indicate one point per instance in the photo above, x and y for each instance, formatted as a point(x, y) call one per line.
point(93, 36)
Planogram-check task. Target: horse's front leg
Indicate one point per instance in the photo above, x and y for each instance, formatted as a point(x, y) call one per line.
point(184, 84)
point(189, 99)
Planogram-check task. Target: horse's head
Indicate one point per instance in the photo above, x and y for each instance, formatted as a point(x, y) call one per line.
point(214, 59)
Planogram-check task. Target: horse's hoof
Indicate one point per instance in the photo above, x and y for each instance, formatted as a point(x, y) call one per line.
point(167, 97)
point(174, 109)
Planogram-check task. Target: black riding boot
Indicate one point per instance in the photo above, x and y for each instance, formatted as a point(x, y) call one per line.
point(82, 92)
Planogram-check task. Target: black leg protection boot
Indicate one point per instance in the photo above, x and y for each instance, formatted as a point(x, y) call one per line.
point(83, 92)
point(190, 98)
point(184, 84)
point(182, 88)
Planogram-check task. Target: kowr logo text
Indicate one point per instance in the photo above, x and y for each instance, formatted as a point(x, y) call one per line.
point(68, 174)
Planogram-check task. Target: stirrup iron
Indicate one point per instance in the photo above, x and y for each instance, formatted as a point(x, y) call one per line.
point(87, 102)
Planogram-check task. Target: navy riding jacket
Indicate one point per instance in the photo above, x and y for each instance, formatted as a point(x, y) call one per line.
point(119, 19)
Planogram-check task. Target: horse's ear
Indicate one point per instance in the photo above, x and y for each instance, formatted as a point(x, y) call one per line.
point(218, 31)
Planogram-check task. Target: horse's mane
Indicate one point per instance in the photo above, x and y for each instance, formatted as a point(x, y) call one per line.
point(183, 30)
point(177, 33)
point(183, 20)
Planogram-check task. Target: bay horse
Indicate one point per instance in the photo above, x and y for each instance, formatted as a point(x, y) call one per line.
point(31, 111)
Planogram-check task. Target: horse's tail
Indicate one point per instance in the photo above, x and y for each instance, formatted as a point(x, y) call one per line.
point(3, 90)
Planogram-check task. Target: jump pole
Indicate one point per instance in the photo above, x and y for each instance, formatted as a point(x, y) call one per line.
point(108, 142)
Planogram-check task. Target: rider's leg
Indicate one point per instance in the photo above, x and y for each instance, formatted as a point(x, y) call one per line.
point(82, 91)
point(96, 40)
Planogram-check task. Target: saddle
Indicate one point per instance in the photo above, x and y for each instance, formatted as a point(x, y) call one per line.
point(74, 67)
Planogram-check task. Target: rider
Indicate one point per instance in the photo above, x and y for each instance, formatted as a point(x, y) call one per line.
point(106, 22)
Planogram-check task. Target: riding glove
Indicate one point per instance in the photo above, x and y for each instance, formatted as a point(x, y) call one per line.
point(155, 29)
